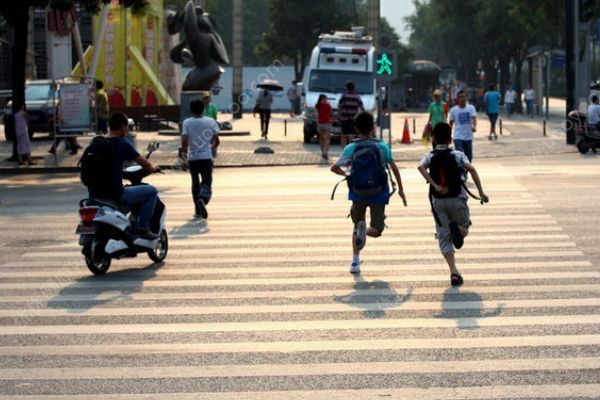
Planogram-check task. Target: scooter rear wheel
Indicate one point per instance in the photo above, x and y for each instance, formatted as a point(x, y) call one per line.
point(159, 253)
point(96, 259)
point(582, 146)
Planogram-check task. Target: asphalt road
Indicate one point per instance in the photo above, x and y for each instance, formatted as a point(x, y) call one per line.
point(257, 302)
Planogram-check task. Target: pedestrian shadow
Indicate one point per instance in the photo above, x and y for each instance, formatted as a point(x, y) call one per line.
point(466, 308)
point(374, 297)
point(105, 288)
point(192, 227)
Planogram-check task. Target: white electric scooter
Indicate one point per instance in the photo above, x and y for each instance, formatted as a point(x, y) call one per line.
point(108, 229)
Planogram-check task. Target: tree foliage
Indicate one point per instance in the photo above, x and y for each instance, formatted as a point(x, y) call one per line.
point(461, 32)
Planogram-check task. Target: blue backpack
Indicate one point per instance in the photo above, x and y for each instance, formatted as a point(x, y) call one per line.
point(368, 170)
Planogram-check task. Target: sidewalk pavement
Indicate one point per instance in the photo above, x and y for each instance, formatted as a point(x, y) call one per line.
point(521, 137)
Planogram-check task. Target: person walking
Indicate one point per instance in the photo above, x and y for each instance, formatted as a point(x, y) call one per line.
point(444, 170)
point(102, 108)
point(510, 97)
point(438, 112)
point(22, 137)
point(325, 121)
point(264, 101)
point(366, 159)
point(349, 106)
point(199, 135)
point(529, 96)
point(210, 109)
point(463, 118)
point(291, 95)
point(492, 108)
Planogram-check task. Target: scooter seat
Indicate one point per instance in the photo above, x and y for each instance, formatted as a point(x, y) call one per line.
point(109, 203)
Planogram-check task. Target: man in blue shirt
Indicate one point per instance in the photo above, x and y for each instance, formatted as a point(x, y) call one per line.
point(492, 106)
point(142, 195)
point(364, 125)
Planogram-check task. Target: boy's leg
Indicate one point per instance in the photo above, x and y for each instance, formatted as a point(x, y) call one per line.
point(194, 172)
point(377, 223)
point(442, 234)
point(357, 213)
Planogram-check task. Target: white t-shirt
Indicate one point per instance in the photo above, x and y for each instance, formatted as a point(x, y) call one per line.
point(510, 96)
point(593, 114)
point(529, 94)
point(462, 121)
point(200, 133)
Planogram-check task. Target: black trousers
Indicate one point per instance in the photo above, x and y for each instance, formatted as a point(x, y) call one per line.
point(201, 172)
point(265, 116)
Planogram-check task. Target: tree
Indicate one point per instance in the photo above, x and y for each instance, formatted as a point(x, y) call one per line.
point(17, 14)
point(295, 27)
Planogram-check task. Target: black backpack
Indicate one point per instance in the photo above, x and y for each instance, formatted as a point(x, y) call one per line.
point(445, 171)
point(368, 176)
point(96, 165)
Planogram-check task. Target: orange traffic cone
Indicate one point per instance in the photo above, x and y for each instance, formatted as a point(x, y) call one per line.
point(406, 133)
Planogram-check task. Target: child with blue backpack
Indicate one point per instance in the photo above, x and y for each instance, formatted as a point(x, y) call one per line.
point(364, 163)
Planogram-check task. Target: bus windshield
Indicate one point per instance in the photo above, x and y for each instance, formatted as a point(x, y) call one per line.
point(334, 81)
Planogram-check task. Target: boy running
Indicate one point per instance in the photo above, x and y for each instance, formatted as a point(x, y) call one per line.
point(352, 160)
point(444, 169)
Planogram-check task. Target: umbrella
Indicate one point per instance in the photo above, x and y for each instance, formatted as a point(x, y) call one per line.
point(270, 84)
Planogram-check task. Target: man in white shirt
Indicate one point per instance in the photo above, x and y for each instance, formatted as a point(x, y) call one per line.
point(200, 134)
point(510, 96)
point(593, 114)
point(463, 118)
point(529, 96)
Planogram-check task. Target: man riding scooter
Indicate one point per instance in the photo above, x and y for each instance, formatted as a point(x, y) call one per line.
point(593, 114)
point(142, 195)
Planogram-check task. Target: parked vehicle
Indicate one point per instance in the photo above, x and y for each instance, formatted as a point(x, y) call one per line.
point(108, 229)
point(336, 59)
point(40, 102)
point(586, 138)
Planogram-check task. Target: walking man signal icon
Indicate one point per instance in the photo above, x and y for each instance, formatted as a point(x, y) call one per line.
point(385, 65)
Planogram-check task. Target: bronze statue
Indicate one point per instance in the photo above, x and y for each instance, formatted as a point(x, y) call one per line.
point(202, 49)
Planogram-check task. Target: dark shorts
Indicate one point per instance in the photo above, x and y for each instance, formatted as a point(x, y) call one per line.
point(347, 127)
point(493, 118)
point(359, 211)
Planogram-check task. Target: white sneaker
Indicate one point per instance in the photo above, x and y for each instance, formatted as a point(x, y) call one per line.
point(361, 235)
point(355, 268)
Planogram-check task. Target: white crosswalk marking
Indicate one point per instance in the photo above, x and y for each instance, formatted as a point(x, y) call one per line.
point(257, 303)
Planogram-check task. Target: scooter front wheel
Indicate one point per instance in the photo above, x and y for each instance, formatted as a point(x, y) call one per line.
point(160, 250)
point(96, 259)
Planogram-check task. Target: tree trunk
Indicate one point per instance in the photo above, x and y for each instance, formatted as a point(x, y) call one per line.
point(19, 54)
point(518, 88)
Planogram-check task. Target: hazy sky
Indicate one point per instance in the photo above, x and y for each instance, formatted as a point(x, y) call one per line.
point(395, 11)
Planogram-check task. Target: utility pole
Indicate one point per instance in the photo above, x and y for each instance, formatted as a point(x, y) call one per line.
point(373, 17)
point(570, 65)
point(237, 93)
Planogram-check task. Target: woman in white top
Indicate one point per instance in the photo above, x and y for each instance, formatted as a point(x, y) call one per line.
point(529, 96)
point(22, 137)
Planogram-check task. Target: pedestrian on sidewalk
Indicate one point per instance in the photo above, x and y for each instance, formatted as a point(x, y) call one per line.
point(22, 137)
point(291, 95)
point(529, 97)
point(366, 160)
point(510, 97)
point(444, 169)
point(102, 108)
point(264, 101)
point(210, 109)
point(492, 107)
point(438, 112)
point(200, 135)
point(325, 121)
point(463, 118)
point(349, 105)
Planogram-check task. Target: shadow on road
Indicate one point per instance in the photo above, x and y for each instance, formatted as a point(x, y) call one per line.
point(466, 308)
point(192, 228)
point(373, 297)
point(114, 286)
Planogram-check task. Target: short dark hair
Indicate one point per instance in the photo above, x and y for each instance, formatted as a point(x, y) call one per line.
point(460, 92)
point(364, 123)
point(442, 133)
point(492, 86)
point(594, 98)
point(117, 120)
point(197, 107)
point(350, 85)
point(99, 84)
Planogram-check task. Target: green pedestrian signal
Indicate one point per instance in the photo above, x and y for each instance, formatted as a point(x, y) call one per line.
point(385, 65)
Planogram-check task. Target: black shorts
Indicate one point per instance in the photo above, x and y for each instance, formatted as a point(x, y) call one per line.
point(347, 127)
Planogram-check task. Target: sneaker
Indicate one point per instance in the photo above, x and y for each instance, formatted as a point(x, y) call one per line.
point(201, 210)
point(355, 268)
point(146, 234)
point(361, 235)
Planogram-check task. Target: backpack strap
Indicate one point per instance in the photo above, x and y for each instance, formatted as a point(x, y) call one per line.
point(336, 185)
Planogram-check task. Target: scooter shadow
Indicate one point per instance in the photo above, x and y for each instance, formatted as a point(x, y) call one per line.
point(115, 286)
